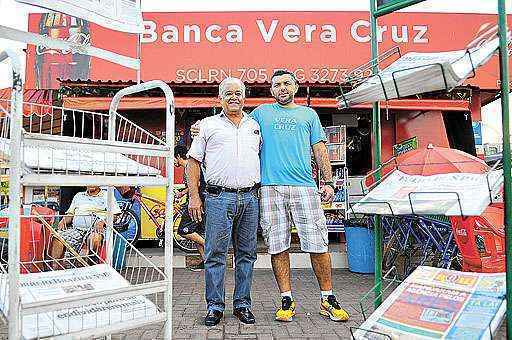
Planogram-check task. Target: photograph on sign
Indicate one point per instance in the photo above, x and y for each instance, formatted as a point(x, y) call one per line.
point(74, 47)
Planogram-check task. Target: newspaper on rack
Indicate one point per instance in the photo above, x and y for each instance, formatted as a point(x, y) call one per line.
point(119, 15)
point(435, 303)
point(47, 158)
point(453, 194)
point(416, 73)
point(47, 286)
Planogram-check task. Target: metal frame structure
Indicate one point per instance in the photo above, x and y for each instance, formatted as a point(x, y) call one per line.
point(136, 148)
point(14, 315)
point(505, 90)
point(375, 13)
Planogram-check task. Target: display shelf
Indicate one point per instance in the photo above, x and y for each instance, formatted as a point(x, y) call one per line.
point(337, 144)
point(104, 149)
point(336, 148)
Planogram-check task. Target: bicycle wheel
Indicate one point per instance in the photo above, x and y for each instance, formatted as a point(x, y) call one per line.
point(394, 254)
point(132, 234)
point(390, 252)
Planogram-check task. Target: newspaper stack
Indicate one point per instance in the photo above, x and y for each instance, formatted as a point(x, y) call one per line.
point(76, 282)
point(436, 303)
point(416, 73)
point(452, 194)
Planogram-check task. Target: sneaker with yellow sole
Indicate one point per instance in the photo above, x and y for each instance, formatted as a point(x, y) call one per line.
point(287, 310)
point(331, 308)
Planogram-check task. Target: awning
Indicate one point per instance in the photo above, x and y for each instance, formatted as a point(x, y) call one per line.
point(137, 103)
point(35, 101)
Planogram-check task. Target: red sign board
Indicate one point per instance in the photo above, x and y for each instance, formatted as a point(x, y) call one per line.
point(320, 47)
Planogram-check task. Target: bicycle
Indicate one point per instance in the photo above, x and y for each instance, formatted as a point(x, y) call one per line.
point(155, 209)
point(412, 241)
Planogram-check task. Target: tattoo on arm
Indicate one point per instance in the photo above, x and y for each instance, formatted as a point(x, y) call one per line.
point(322, 159)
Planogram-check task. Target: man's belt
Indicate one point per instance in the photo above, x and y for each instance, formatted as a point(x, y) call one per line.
point(217, 189)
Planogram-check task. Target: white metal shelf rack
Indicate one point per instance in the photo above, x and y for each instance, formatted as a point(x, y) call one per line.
point(103, 149)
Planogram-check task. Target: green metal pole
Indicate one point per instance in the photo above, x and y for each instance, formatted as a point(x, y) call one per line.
point(504, 76)
point(398, 5)
point(377, 158)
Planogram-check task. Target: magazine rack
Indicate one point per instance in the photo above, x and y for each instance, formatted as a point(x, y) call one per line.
point(103, 149)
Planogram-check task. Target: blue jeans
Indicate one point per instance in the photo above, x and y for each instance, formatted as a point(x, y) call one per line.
point(230, 216)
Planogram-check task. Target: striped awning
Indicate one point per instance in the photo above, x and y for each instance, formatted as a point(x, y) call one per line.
point(35, 102)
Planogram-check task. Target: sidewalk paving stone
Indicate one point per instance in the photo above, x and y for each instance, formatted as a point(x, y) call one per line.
point(189, 309)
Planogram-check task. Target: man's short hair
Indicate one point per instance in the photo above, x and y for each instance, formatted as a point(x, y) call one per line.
point(180, 151)
point(230, 80)
point(278, 73)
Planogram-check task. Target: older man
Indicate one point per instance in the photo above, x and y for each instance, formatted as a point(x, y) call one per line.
point(87, 215)
point(228, 149)
point(289, 195)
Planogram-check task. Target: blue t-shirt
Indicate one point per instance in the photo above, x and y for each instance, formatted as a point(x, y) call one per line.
point(288, 134)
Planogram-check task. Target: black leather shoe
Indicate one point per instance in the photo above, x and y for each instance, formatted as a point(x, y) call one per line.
point(245, 315)
point(213, 317)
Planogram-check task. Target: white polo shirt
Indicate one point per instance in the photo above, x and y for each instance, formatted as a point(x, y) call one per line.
point(229, 154)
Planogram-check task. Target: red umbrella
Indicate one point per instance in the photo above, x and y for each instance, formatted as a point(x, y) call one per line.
point(436, 160)
point(432, 161)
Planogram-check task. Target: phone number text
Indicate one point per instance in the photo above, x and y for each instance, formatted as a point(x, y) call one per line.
point(260, 75)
